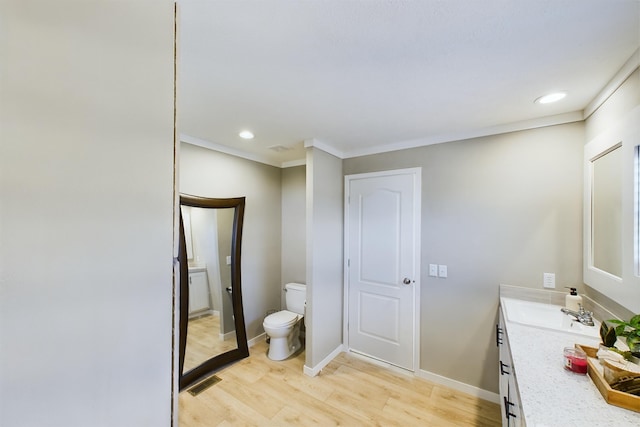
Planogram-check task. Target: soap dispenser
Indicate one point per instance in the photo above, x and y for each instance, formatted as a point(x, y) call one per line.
point(573, 301)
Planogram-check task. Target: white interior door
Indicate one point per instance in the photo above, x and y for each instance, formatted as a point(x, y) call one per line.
point(382, 245)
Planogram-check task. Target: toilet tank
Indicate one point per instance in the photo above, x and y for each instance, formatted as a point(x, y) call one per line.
point(295, 297)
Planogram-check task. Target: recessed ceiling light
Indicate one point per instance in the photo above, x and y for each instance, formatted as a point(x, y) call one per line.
point(552, 97)
point(246, 134)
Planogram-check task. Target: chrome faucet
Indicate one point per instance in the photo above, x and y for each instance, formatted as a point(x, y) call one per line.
point(582, 316)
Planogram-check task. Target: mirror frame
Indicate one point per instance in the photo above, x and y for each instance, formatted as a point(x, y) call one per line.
point(223, 359)
point(596, 152)
point(624, 290)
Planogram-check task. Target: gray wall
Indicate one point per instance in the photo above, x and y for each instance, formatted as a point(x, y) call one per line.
point(625, 99)
point(86, 213)
point(294, 227)
point(324, 255)
point(208, 173)
point(498, 209)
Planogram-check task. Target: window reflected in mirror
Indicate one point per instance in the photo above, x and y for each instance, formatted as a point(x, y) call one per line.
point(636, 209)
point(606, 212)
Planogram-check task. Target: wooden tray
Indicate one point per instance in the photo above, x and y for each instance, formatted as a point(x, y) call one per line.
point(611, 396)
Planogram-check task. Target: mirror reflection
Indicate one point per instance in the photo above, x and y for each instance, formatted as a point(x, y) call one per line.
point(211, 328)
point(212, 331)
point(606, 216)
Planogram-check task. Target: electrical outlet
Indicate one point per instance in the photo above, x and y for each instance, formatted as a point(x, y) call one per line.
point(549, 280)
point(433, 270)
point(442, 271)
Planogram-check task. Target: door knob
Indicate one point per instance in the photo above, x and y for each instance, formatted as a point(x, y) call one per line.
point(406, 281)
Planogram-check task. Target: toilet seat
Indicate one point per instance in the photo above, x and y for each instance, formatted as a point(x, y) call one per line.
point(281, 319)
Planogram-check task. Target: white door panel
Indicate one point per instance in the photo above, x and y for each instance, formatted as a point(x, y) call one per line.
point(372, 324)
point(378, 236)
point(382, 217)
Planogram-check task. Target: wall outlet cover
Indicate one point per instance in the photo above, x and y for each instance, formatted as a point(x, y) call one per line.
point(549, 280)
point(442, 271)
point(433, 270)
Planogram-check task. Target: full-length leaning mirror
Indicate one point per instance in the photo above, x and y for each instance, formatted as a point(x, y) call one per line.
point(212, 330)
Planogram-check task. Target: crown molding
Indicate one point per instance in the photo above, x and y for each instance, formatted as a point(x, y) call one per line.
point(293, 163)
point(558, 119)
point(324, 146)
point(632, 64)
point(616, 81)
point(188, 139)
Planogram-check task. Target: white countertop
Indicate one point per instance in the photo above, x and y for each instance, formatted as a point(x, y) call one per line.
point(551, 395)
point(196, 267)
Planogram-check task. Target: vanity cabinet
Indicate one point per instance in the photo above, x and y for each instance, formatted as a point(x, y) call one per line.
point(509, 397)
point(199, 294)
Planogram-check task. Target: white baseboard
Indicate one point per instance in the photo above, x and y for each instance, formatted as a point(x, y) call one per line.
point(460, 386)
point(228, 336)
point(255, 340)
point(312, 372)
point(370, 359)
point(434, 378)
point(429, 376)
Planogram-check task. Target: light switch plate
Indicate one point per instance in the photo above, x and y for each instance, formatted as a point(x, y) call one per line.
point(442, 271)
point(549, 280)
point(433, 270)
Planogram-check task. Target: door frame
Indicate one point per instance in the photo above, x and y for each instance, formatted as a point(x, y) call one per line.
point(417, 210)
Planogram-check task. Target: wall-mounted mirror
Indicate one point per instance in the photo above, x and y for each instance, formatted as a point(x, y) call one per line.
point(212, 330)
point(612, 212)
point(606, 211)
point(603, 214)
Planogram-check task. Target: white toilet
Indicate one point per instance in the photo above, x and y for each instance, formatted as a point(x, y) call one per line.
point(283, 327)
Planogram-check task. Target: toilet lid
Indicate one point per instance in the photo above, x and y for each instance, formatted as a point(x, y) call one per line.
point(281, 319)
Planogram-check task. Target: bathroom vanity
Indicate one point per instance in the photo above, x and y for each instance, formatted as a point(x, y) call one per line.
point(199, 292)
point(509, 395)
point(535, 388)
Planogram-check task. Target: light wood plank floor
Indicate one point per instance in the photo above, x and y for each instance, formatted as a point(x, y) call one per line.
point(348, 392)
point(204, 342)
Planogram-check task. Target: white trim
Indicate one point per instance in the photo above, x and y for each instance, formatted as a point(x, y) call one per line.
point(255, 340)
point(434, 378)
point(324, 147)
point(616, 81)
point(558, 119)
point(636, 211)
point(417, 197)
point(294, 163)
point(575, 116)
point(459, 386)
point(312, 372)
point(417, 245)
point(227, 150)
point(227, 336)
point(370, 359)
point(419, 373)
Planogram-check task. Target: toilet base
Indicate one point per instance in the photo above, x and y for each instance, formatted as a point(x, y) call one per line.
point(281, 348)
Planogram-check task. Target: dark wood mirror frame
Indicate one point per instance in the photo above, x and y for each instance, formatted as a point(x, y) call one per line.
point(216, 362)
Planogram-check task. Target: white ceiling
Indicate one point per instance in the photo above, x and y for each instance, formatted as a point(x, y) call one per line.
point(358, 77)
